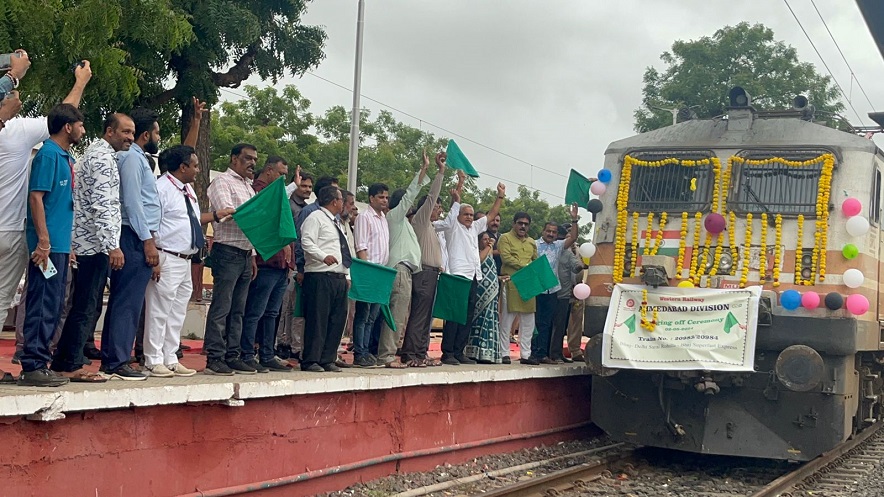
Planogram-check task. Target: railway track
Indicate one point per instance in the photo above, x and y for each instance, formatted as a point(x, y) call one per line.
point(833, 474)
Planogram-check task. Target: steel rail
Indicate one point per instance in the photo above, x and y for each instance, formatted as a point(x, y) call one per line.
point(788, 481)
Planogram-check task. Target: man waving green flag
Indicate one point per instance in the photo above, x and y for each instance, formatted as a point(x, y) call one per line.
point(266, 220)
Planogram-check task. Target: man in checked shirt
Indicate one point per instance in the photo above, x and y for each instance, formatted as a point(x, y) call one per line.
point(233, 266)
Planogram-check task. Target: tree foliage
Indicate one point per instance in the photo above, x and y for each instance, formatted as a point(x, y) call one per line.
point(280, 123)
point(699, 74)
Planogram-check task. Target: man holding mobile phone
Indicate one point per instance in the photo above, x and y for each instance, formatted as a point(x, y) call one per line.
point(48, 231)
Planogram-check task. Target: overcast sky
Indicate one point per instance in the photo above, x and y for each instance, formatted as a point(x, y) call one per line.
point(551, 82)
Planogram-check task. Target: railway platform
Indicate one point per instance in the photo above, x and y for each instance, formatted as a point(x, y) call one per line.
point(290, 434)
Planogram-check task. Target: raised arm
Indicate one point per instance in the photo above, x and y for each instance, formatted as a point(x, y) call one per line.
point(193, 133)
point(572, 234)
point(422, 216)
point(495, 208)
point(82, 75)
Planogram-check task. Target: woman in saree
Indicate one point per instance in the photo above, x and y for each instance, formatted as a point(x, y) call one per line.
point(483, 346)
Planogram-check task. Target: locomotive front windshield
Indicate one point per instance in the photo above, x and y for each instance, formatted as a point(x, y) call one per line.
point(775, 187)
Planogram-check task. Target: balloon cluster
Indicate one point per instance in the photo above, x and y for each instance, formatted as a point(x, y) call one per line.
point(856, 226)
point(857, 304)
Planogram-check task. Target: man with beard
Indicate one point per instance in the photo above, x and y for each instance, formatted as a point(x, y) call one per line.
point(96, 243)
point(517, 250)
point(141, 220)
point(233, 266)
point(48, 230)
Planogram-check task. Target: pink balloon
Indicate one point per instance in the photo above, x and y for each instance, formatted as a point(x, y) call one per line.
point(810, 300)
point(851, 206)
point(598, 188)
point(857, 304)
point(581, 291)
point(715, 223)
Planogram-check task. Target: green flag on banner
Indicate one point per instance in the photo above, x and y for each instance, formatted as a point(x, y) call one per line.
point(452, 298)
point(266, 220)
point(577, 189)
point(457, 160)
point(373, 283)
point(535, 278)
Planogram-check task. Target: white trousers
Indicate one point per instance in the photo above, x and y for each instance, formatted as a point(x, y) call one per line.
point(165, 308)
point(13, 262)
point(526, 328)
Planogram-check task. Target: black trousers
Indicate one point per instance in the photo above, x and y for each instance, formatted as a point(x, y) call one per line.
point(560, 327)
point(543, 319)
point(455, 335)
point(416, 341)
point(325, 314)
point(89, 282)
point(43, 307)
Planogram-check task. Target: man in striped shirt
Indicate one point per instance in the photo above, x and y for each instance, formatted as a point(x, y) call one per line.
point(373, 245)
point(233, 266)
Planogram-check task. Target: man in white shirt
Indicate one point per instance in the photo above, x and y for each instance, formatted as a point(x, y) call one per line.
point(327, 260)
point(18, 137)
point(179, 237)
point(372, 245)
point(96, 243)
point(462, 240)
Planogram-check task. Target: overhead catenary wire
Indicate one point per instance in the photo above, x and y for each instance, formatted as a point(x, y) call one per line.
point(831, 75)
point(852, 74)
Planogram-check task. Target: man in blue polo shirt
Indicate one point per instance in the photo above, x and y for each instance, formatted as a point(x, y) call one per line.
point(48, 232)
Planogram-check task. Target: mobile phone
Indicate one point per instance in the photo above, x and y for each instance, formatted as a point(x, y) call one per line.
point(50, 270)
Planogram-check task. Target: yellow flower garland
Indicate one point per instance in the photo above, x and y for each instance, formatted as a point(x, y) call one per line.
point(701, 266)
point(762, 259)
point(799, 248)
point(744, 274)
point(695, 254)
point(679, 264)
point(778, 249)
point(647, 250)
point(732, 241)
point(658, 240)
point(652, 324)
point(633, 261)
point(620, 233)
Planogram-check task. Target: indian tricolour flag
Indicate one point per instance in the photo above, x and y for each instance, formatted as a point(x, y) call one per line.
point(668, 245)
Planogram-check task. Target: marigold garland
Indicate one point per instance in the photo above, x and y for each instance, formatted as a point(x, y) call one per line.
point(778, 249)
point(658, 240)
point(701, 266)
point(648, 229)
point(652, 324)
point(695, 254)
point(732, 241)
point(744, 273)
point(682, 242)
point(799, 249)
point(762, 258)
point(622, 217)
point(633, 261)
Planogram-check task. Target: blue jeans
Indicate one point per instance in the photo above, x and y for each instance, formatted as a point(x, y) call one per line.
point(262, 309)
point(232, 275)
point(43, 307)
point(546, 310)
point(363, 322)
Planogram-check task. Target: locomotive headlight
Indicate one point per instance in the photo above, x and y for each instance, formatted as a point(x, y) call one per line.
point(726, 263)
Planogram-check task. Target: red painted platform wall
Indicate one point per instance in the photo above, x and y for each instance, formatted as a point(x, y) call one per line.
point(171, 450)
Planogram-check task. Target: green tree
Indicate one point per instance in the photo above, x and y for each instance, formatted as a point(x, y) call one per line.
point(699, 74)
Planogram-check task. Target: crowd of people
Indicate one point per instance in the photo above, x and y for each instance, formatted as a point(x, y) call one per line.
point(71, 225)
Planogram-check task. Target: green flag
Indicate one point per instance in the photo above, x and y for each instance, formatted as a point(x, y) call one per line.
point(298, 309)
point(729, 322)
point(577, 189)
point(266, 220)
point(373, 283)
point(452, 298)
point(630, 324)
point(535, 278)
point(458, 160)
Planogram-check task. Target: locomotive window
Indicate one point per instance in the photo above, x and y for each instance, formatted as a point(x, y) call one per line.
point(875, 208)
point(776, 188)
point(669, 187)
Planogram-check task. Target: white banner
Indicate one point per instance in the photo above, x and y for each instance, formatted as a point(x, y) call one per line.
point(695, 328)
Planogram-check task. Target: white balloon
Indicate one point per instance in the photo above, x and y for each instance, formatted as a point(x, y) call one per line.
point(857, 226)
point(587, 250)
point(853, 278)
point(581, 291)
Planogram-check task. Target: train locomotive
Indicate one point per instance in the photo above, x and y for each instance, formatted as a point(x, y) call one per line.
point(775, 212)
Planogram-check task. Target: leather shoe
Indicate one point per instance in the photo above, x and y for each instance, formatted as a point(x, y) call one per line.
point(313, 368)
point(331, 368)
point(530, 361)
point(547, 360)
point(567, 360)
point(507, 360)
point(578, 358)
point(464, 359)
point(450, 361)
